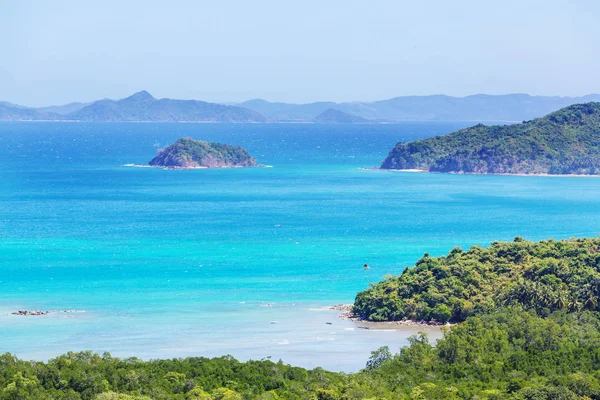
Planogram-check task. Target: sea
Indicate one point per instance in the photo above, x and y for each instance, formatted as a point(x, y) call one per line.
point(241, 262)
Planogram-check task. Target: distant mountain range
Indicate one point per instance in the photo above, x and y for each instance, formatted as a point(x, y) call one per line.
point(479, 108)
point(142, 106)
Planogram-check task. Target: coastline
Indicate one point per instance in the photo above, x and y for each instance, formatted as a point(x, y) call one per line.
point(252, 330)
point(486, 174)
point(394, 170)
point(347, 314)
point(411, 170)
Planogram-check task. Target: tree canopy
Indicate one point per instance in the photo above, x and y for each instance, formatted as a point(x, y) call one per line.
point(564, 142)
point(545, 276)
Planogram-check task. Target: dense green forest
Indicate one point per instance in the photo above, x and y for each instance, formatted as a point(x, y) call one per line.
point(545, 276)
point(564, 142)
point(529, 330)
point(189, 153)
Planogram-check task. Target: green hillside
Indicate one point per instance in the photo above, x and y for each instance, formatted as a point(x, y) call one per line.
point(545, 276)
point(564, 142)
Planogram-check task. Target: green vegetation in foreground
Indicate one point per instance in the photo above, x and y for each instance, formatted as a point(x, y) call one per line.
point(545, 276)
point(190, 153)
point(564, 142)
point(509, 354)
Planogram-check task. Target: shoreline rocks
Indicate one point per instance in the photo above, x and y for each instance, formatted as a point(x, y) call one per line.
point(28, 312)
point(39, 312)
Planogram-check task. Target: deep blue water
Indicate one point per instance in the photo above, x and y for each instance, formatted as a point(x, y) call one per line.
point(239, 261)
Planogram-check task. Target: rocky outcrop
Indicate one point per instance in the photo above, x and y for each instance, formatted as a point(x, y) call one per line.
point(38, 312)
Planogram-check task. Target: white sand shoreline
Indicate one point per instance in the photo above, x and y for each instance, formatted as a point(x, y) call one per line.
point(482, 174)
point(346, 313)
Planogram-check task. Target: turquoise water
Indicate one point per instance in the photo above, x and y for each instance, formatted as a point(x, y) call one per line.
point(239, 261)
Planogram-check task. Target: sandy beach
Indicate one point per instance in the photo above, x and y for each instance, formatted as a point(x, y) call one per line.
point(346, 314)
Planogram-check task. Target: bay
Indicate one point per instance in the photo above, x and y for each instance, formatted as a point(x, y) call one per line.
point(237, 261)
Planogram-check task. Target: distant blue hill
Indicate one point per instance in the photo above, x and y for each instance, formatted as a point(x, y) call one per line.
point(332, 116)
point(481, 107)
point(142, 106)
point(289, 112)
point(64, 109)
point(13, 112)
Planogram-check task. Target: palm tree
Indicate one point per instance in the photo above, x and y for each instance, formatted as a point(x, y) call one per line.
point(366, 268)
point(591, 301)
point(575, 305)
point(561, 300)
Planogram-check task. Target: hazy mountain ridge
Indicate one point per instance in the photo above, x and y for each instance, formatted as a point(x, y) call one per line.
point(140, 106)
point(289, 112)
point(480, 107)
point(12, 112)
point(65, 108)
point(143, 107)
point(333, 116)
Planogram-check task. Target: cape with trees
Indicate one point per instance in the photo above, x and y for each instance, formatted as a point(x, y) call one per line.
point(564, 142)
point(544, 276)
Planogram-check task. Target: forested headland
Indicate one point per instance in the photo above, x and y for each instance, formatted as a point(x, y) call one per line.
point(561, 143)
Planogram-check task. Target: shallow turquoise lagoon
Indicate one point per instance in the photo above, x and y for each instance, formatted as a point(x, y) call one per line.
point(239, 261)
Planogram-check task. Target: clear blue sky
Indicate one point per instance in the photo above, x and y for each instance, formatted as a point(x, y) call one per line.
point(59, 51)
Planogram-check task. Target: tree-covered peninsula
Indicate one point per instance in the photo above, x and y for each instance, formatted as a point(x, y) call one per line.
point(564, 142)
point(544, 276)
point(189, 153)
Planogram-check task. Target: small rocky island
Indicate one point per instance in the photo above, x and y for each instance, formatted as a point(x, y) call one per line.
point(188, 153)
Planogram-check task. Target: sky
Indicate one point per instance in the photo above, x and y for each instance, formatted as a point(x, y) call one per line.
point(55, 52)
